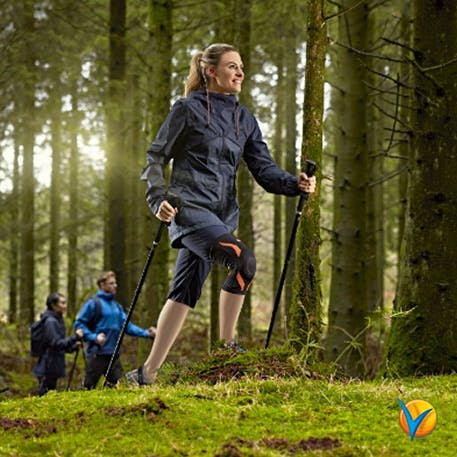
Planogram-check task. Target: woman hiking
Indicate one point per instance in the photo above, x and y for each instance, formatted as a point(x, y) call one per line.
point(206, 134)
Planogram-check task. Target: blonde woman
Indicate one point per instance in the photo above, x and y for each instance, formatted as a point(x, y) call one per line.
point(207, 133)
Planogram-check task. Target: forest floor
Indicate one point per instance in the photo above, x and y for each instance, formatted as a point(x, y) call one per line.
point(262, 403)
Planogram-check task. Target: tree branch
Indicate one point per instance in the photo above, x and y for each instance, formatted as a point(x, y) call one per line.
point(388, 176)
point(391, 116)
point(341, 13)
point(368, 54)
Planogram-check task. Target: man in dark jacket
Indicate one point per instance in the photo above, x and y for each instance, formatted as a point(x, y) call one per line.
point(51, 365)
point(101, 320)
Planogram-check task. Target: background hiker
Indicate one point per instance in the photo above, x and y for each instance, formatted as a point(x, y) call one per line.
point(51, 364)
point(206, 134)
point(101, 320)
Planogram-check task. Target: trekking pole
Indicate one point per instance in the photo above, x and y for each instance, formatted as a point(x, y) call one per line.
point(174, 201)
point(70, 376)
point(311, 168)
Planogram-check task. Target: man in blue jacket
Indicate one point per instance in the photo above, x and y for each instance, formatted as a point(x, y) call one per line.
point(101, 320)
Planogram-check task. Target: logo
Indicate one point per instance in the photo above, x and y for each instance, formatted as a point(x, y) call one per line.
point(417, 418)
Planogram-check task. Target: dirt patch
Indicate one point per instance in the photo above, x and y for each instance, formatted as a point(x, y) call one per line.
point(234, 447)
point(149, 410)
point(36, 427)
point(229, 450)
point(310, 444)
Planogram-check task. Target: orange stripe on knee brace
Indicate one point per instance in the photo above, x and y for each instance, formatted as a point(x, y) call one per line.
point(240, 281)
point(233, 246)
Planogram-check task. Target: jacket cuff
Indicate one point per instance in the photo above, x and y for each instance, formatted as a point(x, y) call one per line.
point(292, 186)
point(155, 205)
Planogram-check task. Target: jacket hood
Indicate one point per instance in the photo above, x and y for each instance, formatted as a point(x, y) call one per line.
point(228, 100)
point(49, 312)
point(104, 295)
point(221, 102)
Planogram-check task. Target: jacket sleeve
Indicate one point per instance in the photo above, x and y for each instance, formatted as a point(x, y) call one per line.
point(83, 320)
point(262, 166)
point(165, 146)
point(132, 329)
point(55, 341)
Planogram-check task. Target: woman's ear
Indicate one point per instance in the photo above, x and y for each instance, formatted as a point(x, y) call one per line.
point(210, 71)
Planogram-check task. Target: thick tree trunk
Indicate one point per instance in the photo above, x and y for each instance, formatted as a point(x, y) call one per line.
point(422, 338)
point(375, 192)
point(348, 298)
point(375, 210)
point(306, 312)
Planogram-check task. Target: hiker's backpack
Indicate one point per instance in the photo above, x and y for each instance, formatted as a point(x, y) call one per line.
point(37, 338)
point(97, 314)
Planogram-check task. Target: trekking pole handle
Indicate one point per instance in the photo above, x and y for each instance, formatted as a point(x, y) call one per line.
point(310, 170)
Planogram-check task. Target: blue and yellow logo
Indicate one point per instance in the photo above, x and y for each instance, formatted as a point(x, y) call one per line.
point(417, 418)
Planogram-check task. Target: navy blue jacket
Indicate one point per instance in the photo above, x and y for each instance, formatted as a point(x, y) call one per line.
point(206, 144)
point(52, 362)
point(110, 323)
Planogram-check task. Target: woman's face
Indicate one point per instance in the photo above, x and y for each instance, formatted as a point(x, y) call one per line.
point(228, 76)
point(61, 306)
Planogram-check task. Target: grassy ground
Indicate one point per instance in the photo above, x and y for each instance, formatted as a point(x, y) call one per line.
point(231, 406)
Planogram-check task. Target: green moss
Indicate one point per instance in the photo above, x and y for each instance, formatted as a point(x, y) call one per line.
point(250, 417)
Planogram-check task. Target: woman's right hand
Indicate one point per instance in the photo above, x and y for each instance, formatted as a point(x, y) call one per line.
point(166, 212)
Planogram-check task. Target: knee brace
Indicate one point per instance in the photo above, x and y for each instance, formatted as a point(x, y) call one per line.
point(234, 254)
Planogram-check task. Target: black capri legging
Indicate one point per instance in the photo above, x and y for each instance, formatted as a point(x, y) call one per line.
point(201, 249)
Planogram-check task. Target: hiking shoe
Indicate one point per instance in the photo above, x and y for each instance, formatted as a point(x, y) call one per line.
point(234, 346)
point(137, 377)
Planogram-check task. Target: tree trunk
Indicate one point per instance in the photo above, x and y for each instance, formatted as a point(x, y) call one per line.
point(55, 191)
point(405, 147)
point(115, 164)
point(72, 224)
point(217, 277)
point(375, 215)
point(306, 312)
point(27, 109)
point(160, 29)
point(422, 338)
point(290, 100)
point(278, 214)
point(348, 298)
point(136, 203)
point(244, 178)
point(14, 235)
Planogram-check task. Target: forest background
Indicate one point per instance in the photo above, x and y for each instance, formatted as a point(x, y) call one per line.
point(85, 86)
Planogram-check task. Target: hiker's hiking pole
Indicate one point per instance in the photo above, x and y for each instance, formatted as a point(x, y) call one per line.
point(174, 201)
point(311, 168)
point(70, 376)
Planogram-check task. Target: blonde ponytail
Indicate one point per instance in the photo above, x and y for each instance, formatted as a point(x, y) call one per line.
point(195, 80)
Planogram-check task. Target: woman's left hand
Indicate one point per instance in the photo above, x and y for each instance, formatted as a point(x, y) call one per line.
point(306, 184)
